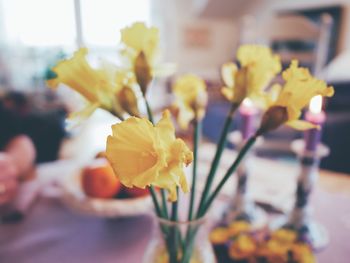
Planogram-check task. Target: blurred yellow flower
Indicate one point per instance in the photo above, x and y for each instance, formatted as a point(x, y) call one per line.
point(94, 85)
point(258, 67)
point(284, 235)
point(219, 235)
point(276, 251)
point(243, 247)
point(280, 252)
point(141, 47)
point(299, 88)
point(142, 154)
point(302, 253)
point(140, 38)
point(238, 227)
point(191, 99)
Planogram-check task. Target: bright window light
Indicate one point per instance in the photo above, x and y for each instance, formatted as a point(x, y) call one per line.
point(102, 19)
point(39, 22)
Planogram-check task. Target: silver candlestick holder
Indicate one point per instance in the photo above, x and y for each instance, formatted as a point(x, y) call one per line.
point(300, 218)
point(242, 207)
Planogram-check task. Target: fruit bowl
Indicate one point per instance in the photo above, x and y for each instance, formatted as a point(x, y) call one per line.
point(76, 199)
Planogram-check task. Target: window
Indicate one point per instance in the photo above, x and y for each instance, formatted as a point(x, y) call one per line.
point(102, 19)
point(39, 22)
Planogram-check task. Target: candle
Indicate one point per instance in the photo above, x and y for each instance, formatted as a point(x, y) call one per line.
point(247, 112)
point(316, 116)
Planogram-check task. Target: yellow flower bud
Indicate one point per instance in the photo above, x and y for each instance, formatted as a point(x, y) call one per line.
point(142, 72)
point(128, 101)
point(273, 118)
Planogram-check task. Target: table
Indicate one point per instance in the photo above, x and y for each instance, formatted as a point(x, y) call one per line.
point(52, 233)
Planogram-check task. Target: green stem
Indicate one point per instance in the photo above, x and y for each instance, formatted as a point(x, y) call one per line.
point(164, 203)
point(162, 191)
point(196, 137)
point(219, 150)
point(229, 172)
point(174, 232)
point(189, 244)
point(149, 111)
point(192, 231)
point(155, 201)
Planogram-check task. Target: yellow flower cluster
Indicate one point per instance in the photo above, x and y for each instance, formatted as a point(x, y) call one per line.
point(258, 67)
point(284, 247)
point(142, 154)
point(299, 88)
point(191, 99)
point(281, 247)
point(221, 235)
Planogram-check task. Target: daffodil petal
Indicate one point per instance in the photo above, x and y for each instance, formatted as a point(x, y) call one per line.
point(85, 113)
point(301, 125)
point(228, 72)
point(228, 93)
point(165, 127)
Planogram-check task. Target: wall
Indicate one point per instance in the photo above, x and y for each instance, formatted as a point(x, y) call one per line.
point(175, 17)
point(215, 45)
point(344, 42)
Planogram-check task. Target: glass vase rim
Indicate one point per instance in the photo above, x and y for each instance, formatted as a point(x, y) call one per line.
point(197, 221)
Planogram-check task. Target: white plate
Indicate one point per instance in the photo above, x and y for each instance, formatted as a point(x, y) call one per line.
point(75, 198)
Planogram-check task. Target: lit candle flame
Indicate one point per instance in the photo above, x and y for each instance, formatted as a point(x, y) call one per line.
point(247, 103)
point(316, 104)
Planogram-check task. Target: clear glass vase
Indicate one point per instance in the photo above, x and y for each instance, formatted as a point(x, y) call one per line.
point(179, 242)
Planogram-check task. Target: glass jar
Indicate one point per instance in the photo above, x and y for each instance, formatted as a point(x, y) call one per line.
point(179, 242)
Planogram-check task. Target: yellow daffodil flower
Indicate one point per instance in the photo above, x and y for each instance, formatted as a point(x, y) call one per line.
point(243, 247)
point(238, 227)
point(140, 38)
point(299, 88)
point(219, 235)
point(142, 154)
point(191, 99)
point(141, 50)
point(108, 88)
point(258, 67)
point(94, 85)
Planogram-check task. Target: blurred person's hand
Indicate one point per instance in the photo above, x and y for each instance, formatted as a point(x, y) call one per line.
point(8, 178)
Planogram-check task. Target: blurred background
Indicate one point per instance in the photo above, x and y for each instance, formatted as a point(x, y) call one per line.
point(198, 35)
